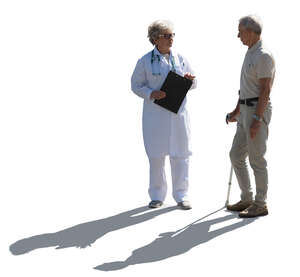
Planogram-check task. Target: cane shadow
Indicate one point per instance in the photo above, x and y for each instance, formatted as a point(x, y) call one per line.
point(85, 234)
point(171, 244)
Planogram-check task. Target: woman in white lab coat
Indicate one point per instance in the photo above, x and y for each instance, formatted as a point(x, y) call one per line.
point(165, 133)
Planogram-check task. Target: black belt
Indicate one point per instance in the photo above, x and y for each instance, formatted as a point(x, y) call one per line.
point(248, 101)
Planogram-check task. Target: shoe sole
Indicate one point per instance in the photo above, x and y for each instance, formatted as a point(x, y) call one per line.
point(184, 208)
point(155, 206)
point(251, 216)
point(239, 210)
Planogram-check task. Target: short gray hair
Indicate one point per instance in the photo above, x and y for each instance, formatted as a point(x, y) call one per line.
point(158, 27)
point(252, 22)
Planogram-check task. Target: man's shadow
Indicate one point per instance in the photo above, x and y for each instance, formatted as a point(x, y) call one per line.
point(176, 243)
point(85, 234)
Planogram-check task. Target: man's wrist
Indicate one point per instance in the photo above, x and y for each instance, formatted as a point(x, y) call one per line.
point(257, 117)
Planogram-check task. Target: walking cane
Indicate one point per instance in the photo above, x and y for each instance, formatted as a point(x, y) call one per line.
point(229, 186)
point(231, 170)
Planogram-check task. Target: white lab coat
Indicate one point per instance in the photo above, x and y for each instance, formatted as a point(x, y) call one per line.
point(164, 132)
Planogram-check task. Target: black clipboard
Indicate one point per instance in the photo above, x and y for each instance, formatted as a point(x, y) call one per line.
point(176, 88)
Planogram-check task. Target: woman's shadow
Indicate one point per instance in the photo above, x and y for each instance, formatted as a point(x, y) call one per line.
point(175, 243)
point(85, 234)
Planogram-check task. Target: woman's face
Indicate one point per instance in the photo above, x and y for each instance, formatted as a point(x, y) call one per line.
point(165, 40)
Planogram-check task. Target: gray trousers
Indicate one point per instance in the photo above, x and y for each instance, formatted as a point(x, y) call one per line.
point(243, 146)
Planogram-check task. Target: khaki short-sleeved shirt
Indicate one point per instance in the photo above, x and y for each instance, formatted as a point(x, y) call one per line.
point(258, 63)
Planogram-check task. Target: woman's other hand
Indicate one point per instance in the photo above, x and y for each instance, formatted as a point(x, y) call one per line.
point(189, 76)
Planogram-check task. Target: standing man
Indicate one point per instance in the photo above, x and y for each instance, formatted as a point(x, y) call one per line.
point(253, 114)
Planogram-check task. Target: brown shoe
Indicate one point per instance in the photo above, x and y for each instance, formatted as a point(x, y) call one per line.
point(253, 211)
point(240, 206)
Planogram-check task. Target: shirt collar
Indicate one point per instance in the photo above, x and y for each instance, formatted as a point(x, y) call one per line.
point(156, 52)
point(255, 46)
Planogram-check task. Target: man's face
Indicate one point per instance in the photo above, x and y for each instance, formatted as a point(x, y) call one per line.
point(244, 35)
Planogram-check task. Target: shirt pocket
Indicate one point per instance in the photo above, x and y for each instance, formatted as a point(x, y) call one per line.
point(250, 70)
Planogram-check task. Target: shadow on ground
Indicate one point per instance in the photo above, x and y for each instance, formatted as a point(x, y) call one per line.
point(85, 234)
point(171, 244)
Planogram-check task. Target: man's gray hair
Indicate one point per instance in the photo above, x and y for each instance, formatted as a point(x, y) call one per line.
point(158, 27)
point(252, 22)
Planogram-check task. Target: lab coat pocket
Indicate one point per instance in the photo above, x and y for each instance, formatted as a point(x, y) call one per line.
point(179, 70)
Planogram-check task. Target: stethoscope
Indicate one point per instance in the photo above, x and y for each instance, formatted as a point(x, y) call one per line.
point(157, 57)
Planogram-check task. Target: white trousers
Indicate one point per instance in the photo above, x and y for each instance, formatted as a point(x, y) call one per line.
point(158, 184)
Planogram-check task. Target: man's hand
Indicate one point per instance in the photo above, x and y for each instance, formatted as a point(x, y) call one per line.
point(254, 128)
point(158, 94)
point(189, 76)
point(231, 117)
